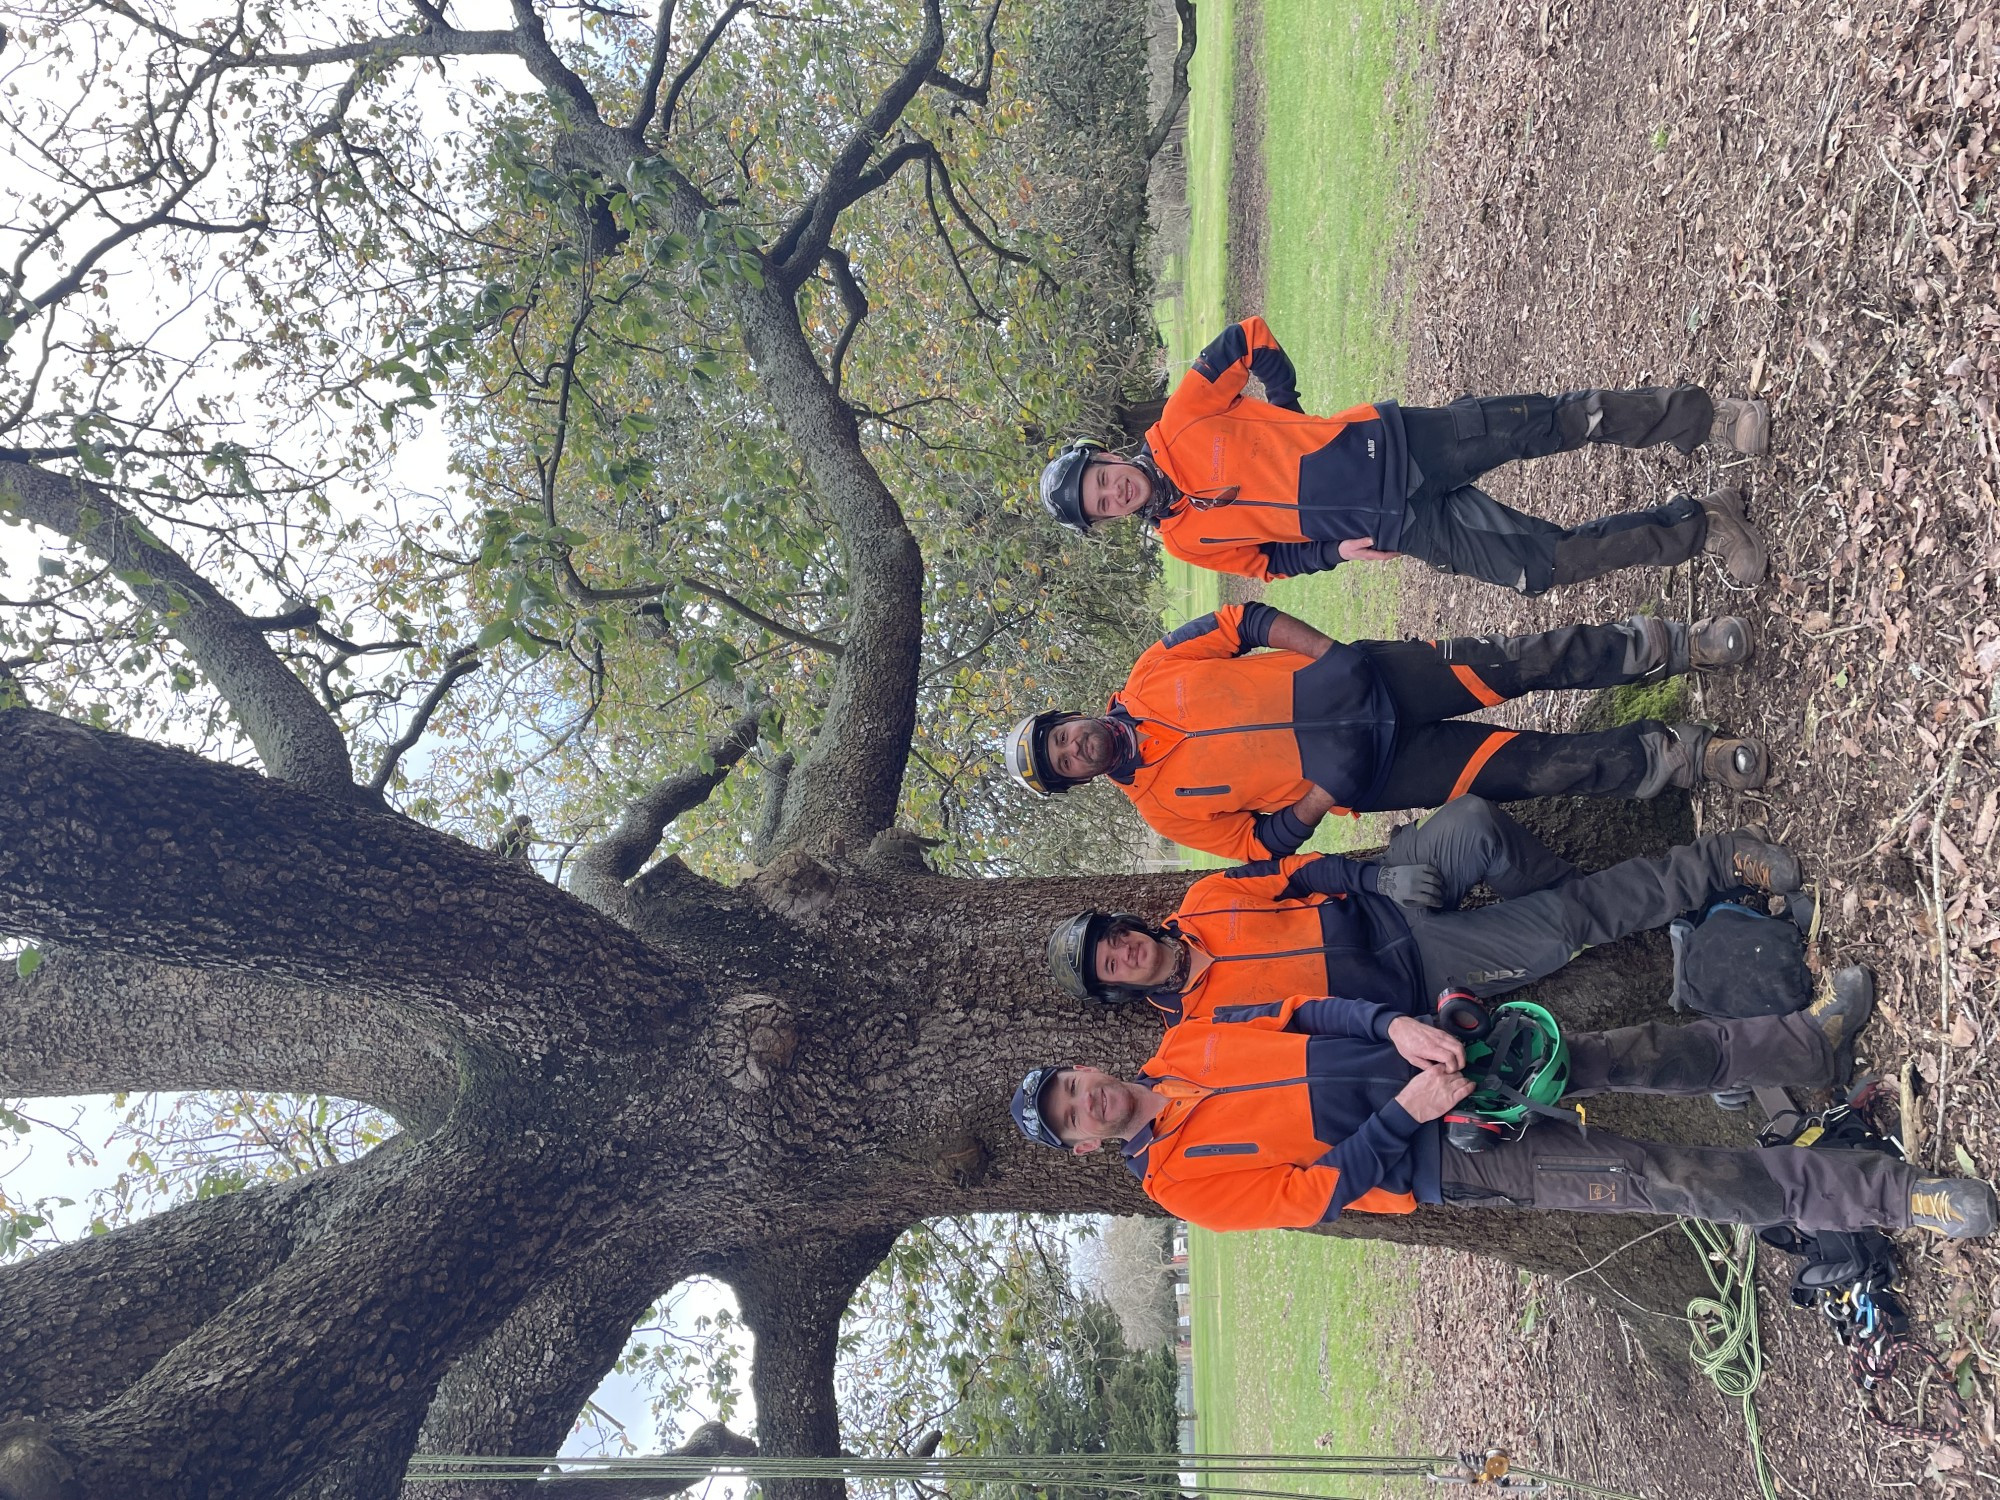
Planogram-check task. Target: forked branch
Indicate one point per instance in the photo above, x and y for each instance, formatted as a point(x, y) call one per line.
point(605, 866)
point(296, 739)
point(806, 237)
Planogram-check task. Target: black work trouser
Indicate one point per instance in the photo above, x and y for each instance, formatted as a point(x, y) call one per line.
point(1457, 527)
point(1555, 1166)
point(1549, 911)
point(1436, 756)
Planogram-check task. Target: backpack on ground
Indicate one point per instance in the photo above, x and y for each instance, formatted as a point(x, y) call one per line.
point(1732, 962)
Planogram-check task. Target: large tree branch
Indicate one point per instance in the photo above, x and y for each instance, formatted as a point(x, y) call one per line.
point(792, 1298)
point(1177, 91)
point(154, 853)
point(98, 1023)
point(811, 227)
point(294, 737)
point(350, 1331)
point(81, 1324)
point(603, 868)
point(518, 1393)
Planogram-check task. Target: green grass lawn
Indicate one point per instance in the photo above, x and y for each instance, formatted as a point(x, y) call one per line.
point(1290, 1339)
point(1295, 1338)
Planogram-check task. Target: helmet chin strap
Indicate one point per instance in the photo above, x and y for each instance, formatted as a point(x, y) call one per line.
point(1165, 492)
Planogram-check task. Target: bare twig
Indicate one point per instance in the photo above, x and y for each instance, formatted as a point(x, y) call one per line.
point(688, 69)
point(853, 299)
point(461, 663)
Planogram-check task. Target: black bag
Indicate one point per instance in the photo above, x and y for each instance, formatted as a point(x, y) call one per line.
point(1835, 1264)
point(1733, 962)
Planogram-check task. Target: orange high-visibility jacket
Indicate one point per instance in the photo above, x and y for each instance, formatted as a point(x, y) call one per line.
point(1272, 1129)
point(1308, 924)
point(1267, 490)
point(1227, 741)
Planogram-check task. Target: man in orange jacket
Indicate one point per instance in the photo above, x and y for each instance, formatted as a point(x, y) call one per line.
point(1263, 489)
point(1253, 1127)
point(1391, 931)
point(1241, 752)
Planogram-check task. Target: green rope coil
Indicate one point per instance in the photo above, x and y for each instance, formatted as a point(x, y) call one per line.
point(1726, 1345)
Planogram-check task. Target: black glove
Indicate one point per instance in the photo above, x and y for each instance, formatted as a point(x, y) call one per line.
point(1410, 885)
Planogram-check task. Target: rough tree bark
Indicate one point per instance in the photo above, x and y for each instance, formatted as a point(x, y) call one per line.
point(766, 1082)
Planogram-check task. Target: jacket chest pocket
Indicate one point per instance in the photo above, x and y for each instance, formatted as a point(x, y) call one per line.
point(1201, 791)
point(1223, 1148)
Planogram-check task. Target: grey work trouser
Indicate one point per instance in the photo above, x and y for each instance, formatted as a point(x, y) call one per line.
point(1554, 1166)
point(1549, 912)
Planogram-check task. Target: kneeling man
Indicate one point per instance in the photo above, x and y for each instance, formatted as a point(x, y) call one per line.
point(1391, 930)
point(1241, 1127)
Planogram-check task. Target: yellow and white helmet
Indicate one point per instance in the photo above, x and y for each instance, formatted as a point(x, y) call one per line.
point(1025, 761)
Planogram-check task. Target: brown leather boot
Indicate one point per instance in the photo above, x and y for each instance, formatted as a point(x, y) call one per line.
point(1741, 426)
point(1757, 862)
point(1732, 540)
point(1696, 753)
point(1719, 641)
point(1705, 646)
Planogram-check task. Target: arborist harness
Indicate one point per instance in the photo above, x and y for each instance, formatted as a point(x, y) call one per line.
point(1518, 1062)
point(1848, 1277)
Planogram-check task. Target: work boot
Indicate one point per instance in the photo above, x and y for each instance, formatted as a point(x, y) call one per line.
point(1757, 862)
point(1695, 753)
point(1841, 1014)
point(1741, 426)
point(1719, 641)
point(1705, 646)
point(1959, 1208)
point(1733, 541)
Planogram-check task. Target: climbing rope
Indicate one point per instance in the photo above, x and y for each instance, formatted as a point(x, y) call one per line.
point(1231, 1476)
point(1726, 1344)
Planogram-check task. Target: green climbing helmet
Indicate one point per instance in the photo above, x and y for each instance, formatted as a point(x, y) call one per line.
point(1516, 1056)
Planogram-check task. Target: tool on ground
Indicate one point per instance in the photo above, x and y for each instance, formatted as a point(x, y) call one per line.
point(1849, 1279)
point(1518, 1062)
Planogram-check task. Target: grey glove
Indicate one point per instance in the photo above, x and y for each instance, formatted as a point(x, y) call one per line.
point(1410, 885)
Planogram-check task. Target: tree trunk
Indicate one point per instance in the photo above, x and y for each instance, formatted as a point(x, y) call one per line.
point(767, 1082)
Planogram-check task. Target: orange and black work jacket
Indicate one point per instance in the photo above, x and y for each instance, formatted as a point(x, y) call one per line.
point(1265, 489)
point(1277, 1129)
point(1308, 924)
point(1219, 745)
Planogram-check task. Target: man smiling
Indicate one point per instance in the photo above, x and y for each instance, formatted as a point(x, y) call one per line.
point(1263, 489)
point(1391, 931)
point(1240, 1127)
point(1241, 751)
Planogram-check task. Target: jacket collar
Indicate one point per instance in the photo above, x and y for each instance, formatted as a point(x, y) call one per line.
point(1124, 729)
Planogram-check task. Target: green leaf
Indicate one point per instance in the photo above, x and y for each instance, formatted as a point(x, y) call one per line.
point(495, 632)
point(30, 959)
point(1964, 1159)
